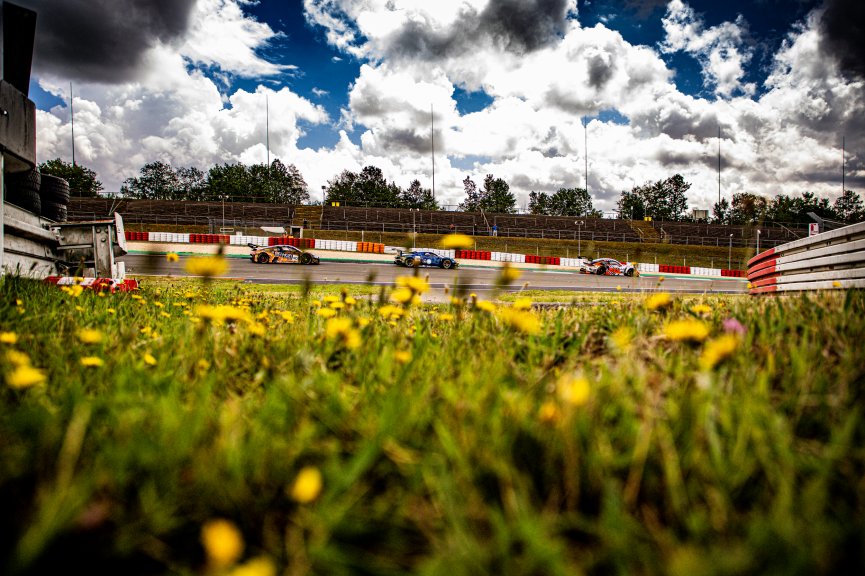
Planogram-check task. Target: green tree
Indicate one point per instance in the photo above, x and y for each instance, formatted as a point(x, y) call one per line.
point(367, 188)
point(192, 184)
point(342, 189)
point(497, 196)
point(539, 203)
point(748, 208)
point(783, 208)
point(156, 181)
point(631, 206)
point(229, 180)
point(417, 197)
point(82, 181)
point(572, 202)
point(472, 203)
point(721, 212)
point(849, 208)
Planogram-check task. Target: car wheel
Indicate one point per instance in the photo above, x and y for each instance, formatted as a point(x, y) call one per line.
point(602, 270)
point(262, 258)
point(629, 272)
point(447, 264)
point(305, 258)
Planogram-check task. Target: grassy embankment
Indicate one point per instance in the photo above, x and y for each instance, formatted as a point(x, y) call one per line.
point(674, 254)
point(202, 428)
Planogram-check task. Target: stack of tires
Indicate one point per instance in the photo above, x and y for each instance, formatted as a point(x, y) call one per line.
point(42, 194)
point(22, 189)
point(55, 197)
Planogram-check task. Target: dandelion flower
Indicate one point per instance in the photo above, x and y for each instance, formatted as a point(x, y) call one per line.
point(89, 336)
point(521, 321)
point(330, 298)
point(8, 338)
point(402, 356)
point(416, 284)
point(172, 257)
point(75, 290)
point(287, 316)
point(622, 338)
point(17, 358)
point(402, 295)
point(25, 377)
point(718, 350)
point(522, 304)
point(111, 311)
point(261, 566)
point(485, 305)
point(686, 330)
point(836, 284)
point(573, 390)
point(257, 329)
point(222, 313)
point(701, 309)
point(337, 305)
point(207, 266)
point(456, 241)
point(350, 301)
point(446, 317)
point(342, 329)
point(658, 301)
point(548, 413)
point(326, 312)
point(149, 359)
point(509, 274)
point(307, 486)
point(92, 361)
point(223, 542)
point(390, 311)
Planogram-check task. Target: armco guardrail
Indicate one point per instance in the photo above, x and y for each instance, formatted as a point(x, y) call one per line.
point(831, 260)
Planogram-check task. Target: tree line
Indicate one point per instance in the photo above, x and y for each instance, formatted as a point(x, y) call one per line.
point(664, 199)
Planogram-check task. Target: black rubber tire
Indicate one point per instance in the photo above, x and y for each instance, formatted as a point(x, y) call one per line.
point(447, 264)
point(54, 189)
point(54, 211)
point(305, 258)
point(22, 189)
point(602, 270)
point(262, 258)
point(629, 272)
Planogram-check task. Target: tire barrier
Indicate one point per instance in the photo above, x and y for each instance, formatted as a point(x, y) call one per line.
point(669, 269)
point(370, 247)
point(827, 261)
point(291, 241)
point(54, 193)
point(22, 189)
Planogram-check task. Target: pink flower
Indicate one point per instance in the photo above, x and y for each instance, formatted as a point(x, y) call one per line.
point(733, 326)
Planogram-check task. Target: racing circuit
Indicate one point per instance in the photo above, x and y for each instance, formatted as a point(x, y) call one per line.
point(378, 269)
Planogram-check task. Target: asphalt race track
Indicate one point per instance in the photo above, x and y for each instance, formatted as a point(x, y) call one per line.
point(476, 279)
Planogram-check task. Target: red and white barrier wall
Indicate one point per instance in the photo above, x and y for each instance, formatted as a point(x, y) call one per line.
point(378, 248)
point(831, 260)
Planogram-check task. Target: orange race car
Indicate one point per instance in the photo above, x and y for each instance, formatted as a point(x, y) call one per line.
point(281, 254)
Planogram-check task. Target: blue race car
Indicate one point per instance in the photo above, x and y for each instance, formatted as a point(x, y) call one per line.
point(416, 259)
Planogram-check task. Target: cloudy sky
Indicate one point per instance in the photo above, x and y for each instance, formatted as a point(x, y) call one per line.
point(538, 92)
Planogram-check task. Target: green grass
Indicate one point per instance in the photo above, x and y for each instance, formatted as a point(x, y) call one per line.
point(446, 445)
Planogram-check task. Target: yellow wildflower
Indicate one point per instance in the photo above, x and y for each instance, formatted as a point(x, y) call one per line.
point(111, 311)
point(446, 317)
point(337, 305)
point(257, 329)
point(223, 542)
point(508, 274)
point(287, 316)
point(485, 305)
point(203, 365)
point(402, 356)
point(307, 486)
point(682, 330)
point(836, 284)
point(391, 312)
point(548, 413)
point(456, 241)
point(330, 298)
point(261, 566)
point(522, 304)
point(92, 362)
point(326, 312)
point(149, 359)
point(315, 304)
point(159, 304)
point(350, 301)
point(363, 322)
point(622, 338)
point(402, 295)
point(75, 290)
point(17, 358)
point(573, 389)
point(207, 266)
point(416, 284)
point(165, 314)
point(222, 313)
point(658, 301)
point(24, 377)
point(90, 336)
point(342, 329)
point(717, 350)
point(172, 257)
point(701, 309)
point(8, 337)
point(524, 322)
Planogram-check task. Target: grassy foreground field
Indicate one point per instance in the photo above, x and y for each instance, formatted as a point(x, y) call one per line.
point(221, 428)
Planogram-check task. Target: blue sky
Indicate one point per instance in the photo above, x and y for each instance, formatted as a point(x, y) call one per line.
point(511, 82)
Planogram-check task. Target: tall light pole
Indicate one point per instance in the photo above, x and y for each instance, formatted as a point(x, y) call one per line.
point(730, 254)
point(579, 224)
point(323, 188)
point(758, 240)
point(222, 197)
point(413, 227)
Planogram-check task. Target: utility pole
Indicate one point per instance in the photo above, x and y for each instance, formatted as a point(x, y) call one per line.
point(433, 141)
point(586, 145)
point(72, 117)
point(843, 164)
point(267, 139)
point(719, 166)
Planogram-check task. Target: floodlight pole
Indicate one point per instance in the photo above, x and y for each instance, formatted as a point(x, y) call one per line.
point(579, 224)
point(758, 240)
point(730, 254)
